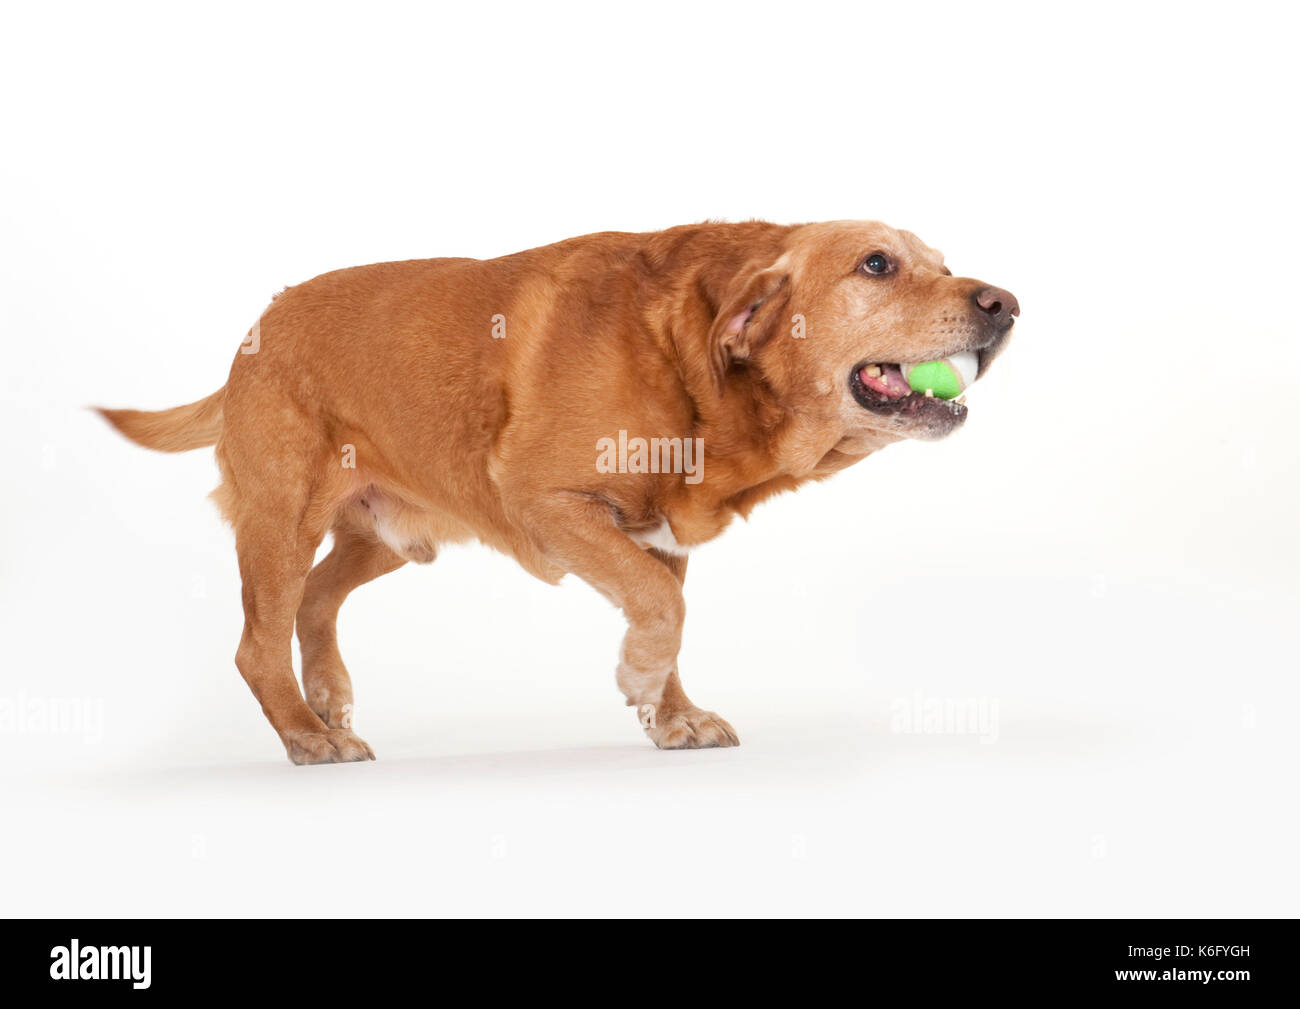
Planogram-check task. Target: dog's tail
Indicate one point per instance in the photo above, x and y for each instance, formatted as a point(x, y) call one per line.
point(176, 430)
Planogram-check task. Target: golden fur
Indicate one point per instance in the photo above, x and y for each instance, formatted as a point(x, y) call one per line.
point(407, 405)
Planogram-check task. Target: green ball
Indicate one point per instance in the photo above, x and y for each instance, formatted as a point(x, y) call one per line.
point(938, 376)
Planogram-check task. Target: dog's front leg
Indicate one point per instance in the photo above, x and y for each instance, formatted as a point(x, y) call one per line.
point(580, 535)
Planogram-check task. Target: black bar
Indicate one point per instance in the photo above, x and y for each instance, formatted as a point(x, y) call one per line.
point(1232, 959)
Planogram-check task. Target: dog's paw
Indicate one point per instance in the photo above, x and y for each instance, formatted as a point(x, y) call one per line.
point(691, 729)
point(334, 746)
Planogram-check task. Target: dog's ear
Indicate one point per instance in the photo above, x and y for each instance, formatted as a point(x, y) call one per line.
point(747, 317)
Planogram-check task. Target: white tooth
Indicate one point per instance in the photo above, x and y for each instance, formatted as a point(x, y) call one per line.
point(929, 393)
point(874, 371)
point(962, 399)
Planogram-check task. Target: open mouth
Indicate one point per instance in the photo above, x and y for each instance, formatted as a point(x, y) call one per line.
point(882, 388)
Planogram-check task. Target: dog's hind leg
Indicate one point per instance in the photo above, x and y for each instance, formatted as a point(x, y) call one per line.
point(356, 558)
point(281, 493)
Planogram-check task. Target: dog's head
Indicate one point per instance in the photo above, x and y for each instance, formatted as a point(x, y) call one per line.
point(826, 324)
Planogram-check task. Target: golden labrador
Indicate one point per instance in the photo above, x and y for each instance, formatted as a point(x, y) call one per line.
point(598, 407)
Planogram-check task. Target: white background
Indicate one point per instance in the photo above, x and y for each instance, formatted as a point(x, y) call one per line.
point(1104, 557)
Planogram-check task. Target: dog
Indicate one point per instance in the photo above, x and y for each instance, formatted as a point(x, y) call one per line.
point(596, 407)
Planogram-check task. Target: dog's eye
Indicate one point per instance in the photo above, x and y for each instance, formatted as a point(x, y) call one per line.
point(876, 263)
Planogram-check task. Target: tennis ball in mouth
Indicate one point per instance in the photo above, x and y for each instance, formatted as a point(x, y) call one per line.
point(946, 379)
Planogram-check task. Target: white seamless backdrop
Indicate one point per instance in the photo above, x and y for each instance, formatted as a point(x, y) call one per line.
point(1099, 567)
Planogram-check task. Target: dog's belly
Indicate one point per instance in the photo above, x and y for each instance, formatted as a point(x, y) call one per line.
point(416, 533)
point(412, 533)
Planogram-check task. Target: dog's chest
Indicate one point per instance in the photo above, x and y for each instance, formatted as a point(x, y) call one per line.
point(684, 528)
point(661, 538)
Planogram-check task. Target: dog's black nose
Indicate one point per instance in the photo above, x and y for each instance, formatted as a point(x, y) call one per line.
point(1001, 306)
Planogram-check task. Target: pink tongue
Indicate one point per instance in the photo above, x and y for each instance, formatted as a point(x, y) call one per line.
point(889, 382)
